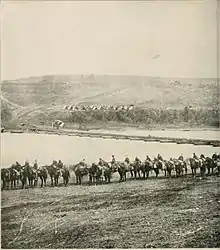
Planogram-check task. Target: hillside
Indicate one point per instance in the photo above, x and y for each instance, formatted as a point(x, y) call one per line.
point(34, 97)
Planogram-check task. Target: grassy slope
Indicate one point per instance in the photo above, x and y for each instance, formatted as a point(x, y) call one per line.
point(174, 213)
point(48, 94)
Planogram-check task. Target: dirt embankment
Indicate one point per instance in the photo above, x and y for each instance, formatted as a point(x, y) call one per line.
point(154, 213)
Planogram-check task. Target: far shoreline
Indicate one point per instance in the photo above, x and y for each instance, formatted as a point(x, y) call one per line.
point(126, 133)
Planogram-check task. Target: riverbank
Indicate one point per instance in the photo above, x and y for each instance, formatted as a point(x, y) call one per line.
point(204, 137)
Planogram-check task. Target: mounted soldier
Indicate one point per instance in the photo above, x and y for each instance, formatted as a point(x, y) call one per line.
point(127, 160)
point(214, 157)
point(101, 162)
point(159, 157)
point(148, 159)
point(195, 157)
point(35, 165)
point(181, 158)
point(60, 164)
point(113, 161)
point(83, 162)
point(137, 160)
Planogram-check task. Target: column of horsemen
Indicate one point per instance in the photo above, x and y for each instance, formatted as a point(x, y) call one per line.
point(102, 171)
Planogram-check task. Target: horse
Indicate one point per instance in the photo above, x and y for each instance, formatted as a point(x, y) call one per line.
point(80, 171)
point(65, 173)
point(194, 164)
point(14, 176)
point(136, 167)
point(217, 163)
point(42, 174)
point(32, 177)
point(108, 171)
point(146, 167)
point(157, 166)
point(5, 177)
point(54, 173)
point(179, 167)
point(169, 166)
point(123, 168)
point(93, 173)
point(96, 173)
point(210, 164)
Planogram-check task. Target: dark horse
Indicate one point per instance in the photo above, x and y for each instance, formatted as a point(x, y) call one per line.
point(157, 166)
point(28, 173)
point(136, 167)
point(179, 167)
point(146, 167)
point(42, 174)
point(108, 171)
point(65, 173)
point(210, 164)
point(54, 173)
point(169, 166)
point(195, 164)
point(95, 173)
point(5, 177)
point(80, 171)
point(123, 168)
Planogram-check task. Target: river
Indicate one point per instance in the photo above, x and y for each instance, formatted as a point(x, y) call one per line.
point(72, 149)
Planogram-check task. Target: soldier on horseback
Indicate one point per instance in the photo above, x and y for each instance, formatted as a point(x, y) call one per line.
point(60, 164)
point(214, 157)
point(83, 162)
point(159, 157)
point(180, 158)
point(202, 157)
point(101, 162)
point(113, 160)
point(195, 156)
point(35, 165)
point(148, 158)
point(137, 160)
point(127, 160)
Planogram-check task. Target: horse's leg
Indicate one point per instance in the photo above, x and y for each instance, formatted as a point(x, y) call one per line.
point(143, 173)
point(186, 171)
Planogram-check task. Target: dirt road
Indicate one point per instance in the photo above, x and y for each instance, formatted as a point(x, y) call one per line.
point(170, 213)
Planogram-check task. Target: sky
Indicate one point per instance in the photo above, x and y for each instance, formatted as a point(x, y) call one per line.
point(160, 38)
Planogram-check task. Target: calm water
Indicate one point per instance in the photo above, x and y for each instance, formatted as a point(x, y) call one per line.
point(71, 150)
point(210, 135)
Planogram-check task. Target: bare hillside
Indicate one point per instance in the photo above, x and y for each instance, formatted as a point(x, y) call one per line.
point(144, 91)
point(39, 100)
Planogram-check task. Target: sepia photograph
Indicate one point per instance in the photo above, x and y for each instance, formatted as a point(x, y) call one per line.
point(110, 124)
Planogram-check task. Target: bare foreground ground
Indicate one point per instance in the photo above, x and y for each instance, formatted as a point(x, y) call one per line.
point(171, 213)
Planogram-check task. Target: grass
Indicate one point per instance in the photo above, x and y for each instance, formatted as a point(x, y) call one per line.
point(163, 213)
